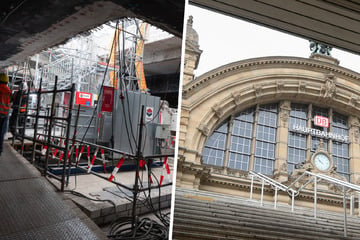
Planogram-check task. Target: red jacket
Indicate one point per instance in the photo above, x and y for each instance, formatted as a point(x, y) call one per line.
point(5, 95)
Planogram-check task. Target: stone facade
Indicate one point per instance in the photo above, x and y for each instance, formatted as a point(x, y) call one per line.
point(214, 97)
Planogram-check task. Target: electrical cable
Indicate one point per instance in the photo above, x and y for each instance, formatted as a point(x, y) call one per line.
point(79, 194)
point(146, 229)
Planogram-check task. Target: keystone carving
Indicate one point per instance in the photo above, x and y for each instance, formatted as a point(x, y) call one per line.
point(217, 110)
point(204, 129)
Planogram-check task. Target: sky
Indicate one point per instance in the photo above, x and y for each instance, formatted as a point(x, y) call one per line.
point(225, 39)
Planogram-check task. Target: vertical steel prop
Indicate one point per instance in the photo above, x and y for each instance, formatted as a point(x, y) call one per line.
point(71, 102)
point(52, 114)
point(136, 185)
point(36, 121)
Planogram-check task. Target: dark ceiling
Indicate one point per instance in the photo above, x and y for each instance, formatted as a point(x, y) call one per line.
point(29, 26)
point(333, 22)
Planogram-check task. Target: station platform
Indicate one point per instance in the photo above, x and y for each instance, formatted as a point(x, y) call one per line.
point(31, 208)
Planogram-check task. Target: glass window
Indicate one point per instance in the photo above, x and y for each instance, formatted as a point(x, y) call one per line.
point(340, 150)
point(240, 142)
point(297, 141)
point(266, 139)
point(215, 145)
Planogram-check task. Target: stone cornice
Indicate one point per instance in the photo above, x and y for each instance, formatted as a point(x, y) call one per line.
point(266, 62)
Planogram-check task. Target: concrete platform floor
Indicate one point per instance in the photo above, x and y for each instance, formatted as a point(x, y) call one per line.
point(30, 208)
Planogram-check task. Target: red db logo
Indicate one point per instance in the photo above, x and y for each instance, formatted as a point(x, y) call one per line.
point(321, 121)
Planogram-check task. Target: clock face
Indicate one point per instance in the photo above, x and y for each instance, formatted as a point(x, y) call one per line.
point(322, 162)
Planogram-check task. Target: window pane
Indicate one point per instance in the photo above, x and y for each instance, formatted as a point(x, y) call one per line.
point(239, 161)
point(213, 156)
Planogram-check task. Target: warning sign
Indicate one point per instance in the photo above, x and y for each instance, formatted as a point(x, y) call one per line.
point(83, 98)
point(149, 114)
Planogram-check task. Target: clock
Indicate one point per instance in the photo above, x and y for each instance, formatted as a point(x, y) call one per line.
point(322, 161)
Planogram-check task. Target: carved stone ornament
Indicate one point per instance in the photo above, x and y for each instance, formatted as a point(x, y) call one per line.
point(355, 135)
point(354, 100)
point(258, 90)
point(354, 129)
point(302, 86)
point(218, 110)
point(280, 86)
point(285, 113)
point(236, 98)
point(329, 88)
point(354, 122)
point(204, 129)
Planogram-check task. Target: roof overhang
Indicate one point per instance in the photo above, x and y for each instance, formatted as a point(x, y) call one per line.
point(333, 22)
point(28, 27)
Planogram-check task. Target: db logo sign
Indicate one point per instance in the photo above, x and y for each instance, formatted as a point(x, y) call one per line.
point(149, 113)
point(321, 121)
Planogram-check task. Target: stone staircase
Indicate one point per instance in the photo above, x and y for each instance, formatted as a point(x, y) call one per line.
point(212, 216)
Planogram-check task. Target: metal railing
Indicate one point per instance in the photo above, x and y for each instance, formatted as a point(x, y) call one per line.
point(273, 183)
point(349, 191)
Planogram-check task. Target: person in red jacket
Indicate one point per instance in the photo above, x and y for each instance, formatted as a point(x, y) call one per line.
point(5, 95)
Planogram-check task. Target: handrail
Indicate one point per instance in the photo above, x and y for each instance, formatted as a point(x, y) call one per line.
point(346, 188)
point(273, 183)
point(336, 181)
point(270, 181)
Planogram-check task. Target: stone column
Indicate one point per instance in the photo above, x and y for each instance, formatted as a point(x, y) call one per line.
point(354, 150)
point(280, 170)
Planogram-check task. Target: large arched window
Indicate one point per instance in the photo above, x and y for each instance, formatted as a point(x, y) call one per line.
point(247, 140)
point(252, 140)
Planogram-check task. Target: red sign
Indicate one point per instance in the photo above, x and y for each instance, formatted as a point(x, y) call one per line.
point(107, 99)
point(83, 98)
point(321, 121)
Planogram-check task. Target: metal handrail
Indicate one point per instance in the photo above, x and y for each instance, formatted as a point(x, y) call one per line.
point(270, 181)
point(346, 188)
point(274, 184)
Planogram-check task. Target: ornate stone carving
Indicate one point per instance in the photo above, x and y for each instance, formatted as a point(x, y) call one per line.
point(354, 122)
point(218, 110)
point(329, 88)
point(284, 113)
point(302, 86)
point(354, 129)
point(236, 98)
point(204, 129)
point(280, 86)
point(258, 90)
point(354, 100)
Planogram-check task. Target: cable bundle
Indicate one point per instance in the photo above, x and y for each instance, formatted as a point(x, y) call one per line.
point(145, 229)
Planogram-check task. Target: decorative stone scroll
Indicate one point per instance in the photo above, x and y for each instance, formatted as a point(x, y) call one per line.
point(236, 98)
point(204, 129)
point(217, 110)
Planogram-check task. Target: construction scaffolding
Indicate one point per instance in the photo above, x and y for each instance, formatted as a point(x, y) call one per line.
point(61, 129)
